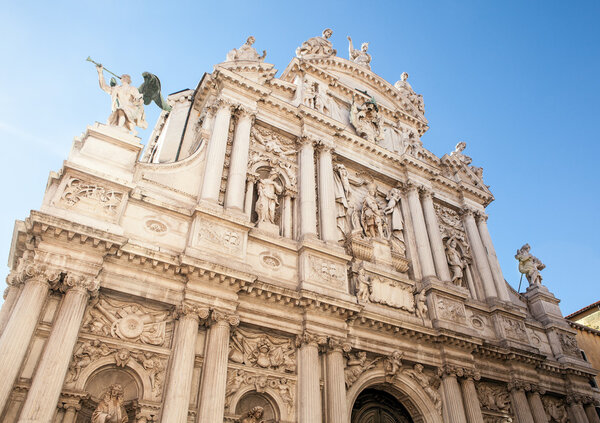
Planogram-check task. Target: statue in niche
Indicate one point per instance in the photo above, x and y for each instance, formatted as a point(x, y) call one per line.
point(466, 160)
point(246, 52)
point(110, 409)
point(529, 265)
point(360, 57)
point(268, 190)
point(397, 226)
point(342, 198)
point(392, 364)
point(370, 215)
point(315, 97)
point(367, 120)
point(409, 94)
point(127, 103)
point(362, 286)
point(356, 365)
point(317, 47)
point(409, 142)
point(253, 416)
point(421, 304)
point(456, 261)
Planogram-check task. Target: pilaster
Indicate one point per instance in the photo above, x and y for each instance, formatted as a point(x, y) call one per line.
point(327, 212)
point(307, 193)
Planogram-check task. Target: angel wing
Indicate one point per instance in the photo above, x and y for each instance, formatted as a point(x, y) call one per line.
point(150, 89)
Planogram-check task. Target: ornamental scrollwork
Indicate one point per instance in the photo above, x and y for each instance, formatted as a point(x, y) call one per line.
point(78, 190)
point(262, 351)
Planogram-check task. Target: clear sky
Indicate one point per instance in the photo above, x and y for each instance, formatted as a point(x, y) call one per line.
point(518, 81)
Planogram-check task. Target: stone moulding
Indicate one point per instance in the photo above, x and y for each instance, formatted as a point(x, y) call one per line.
point(401, 264)
point(360, 248)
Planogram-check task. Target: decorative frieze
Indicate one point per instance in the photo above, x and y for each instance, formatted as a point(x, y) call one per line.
point(262, 351)
point(326, 271)
point(239, 379)
point(451, 310)
point(494, 400)
point(514, 329)
point(223, 238)
point(91, 197)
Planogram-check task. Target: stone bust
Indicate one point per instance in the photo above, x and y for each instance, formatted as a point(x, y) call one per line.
point(110, 409)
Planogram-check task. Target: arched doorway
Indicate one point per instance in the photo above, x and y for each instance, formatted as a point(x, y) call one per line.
point(377, 406)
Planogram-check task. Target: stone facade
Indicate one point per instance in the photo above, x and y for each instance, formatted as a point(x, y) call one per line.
point(286, 249)
point(587, 324)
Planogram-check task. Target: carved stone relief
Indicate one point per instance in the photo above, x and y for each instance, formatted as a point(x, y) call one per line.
point(315, 96)
point(569, 344)
point(514, 329)
point(110, 408)
point(326, 271)
point(220, 237)
point(366, 119)
point(272, 150)
point(262, 351)
point(429, 382)
point(450, 223)
point(494, 400)
point(356, 365)
point(448, 309)
point(555, 409)
point(382, 290)
point(90, 196)
point(239, 378)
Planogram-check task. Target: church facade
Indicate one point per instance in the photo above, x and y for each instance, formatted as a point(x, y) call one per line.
point(284, 250)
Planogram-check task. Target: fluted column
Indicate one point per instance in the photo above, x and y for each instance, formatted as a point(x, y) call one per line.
point(71, 410)
point(471, 401)
point(214, 368)
point(215, 156)
point(179, 386)
point(590, 412)
point(287, 215)
point(453, 401)
point(251, 180)
point(234, 196)
point(308, 196)
point(435, 238)
point(11, 295)
point(423, 247)
point(479, 254)
point(536, 406)
point(519, 402)
point(492, 258)
point(337, 411)
point(327, 212)
point(309, 389)
point(575, 409)
point(52, 368)
point(21, 325)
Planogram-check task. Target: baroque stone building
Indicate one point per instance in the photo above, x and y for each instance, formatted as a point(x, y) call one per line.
point(285, 250)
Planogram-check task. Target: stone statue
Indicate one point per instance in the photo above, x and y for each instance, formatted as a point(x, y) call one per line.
point(397, 226)
point(342, 198)
point(315, 97)
point(246, 52)
point(268, 190)
point(360, 57)
point(252, 416)
point(466, 160)
point(421, 304)
point(392, 364)
point(370, 216)
point(362, 286)
point(356, 365)
point(367, 120)
point(127, 103)
point(429, 384)
point(529, 265)
point(408, 93)
point(456, 261)
point(317, 47)
point(110, 409)
point(555, 410)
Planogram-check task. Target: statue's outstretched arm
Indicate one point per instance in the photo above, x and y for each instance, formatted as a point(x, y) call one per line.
point(101, 80)
point(350, 48)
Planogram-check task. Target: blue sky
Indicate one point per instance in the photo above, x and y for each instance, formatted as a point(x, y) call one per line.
point(518, 81)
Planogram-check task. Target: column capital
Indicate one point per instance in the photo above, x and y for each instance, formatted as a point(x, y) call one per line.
point(451, 370)
point(410, 186)
point(425, 192)
point(481, 217)
point(518, 385)
point(72, 400)
point(472, 374)
point(223, 317)
point(465, 211)
point(86, 284)
point(307, 140)
point(245, 112)
point(537, 389)
point(28, 269)
point(310, 338)
point(224, 103)
point(188, 308)
point(252, 177)
point(339, 344)
point(324, 146)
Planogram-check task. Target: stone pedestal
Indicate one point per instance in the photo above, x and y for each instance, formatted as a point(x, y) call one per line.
point(268, 227)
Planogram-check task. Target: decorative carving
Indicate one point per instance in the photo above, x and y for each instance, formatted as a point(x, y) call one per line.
point(410, 143)
point(555, 410)
point(187, 308)
point(397, 222)
point(156, 226)
point(366, 119)
point(126, 320)
point(317, 47)
point(448, 309)
point(515, 329)
point(493, 397)
point(237, 378)
point(343, 198)
point(78, 192)
point(263, 351)
point(252, 416)
point(246, 52)
point(360, 57)
point(457, 260)
point(429, 383)
point(360, 247)
point(392, 365)
point(83, 283)
point(362, 286)
point(569, 344)
point(311, 338)
point(392, 293)
point(450, 224)
point(28, 269)
point(529, 265)
point(314, 95)
point(371, 217)
point(411, 99)
point(268, 190)
point(326, 271)
point(421, 308)
point(270, 260)
point(110, 409)
point(465, 160)
point(220, 237)
point(356, 365)
point(273, 151)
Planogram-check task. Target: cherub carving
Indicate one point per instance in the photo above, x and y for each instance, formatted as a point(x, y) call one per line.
point(356, 365)
point(392, 364)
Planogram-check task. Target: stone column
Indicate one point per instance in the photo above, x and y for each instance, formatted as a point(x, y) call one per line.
point(327, 212)
point(309, 387)
point(453, 401)
point(590, 411)
point(249, 195)
point(435, 238)
point(519, 402)
point(234, 196)
point(53, 365)
point(214, 368)
point(479, 254)
point(71, 412)
point(423, 247)
point(23, 320)
point(536, 406)
point(179, 385)
point(575, 409)
point(215, 155)
point(287, 215)
point(337, 411)
point(308, 196)
point(492, 258)
point(471, 401)
point(11, 295)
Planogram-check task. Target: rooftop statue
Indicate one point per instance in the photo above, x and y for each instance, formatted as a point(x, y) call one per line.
point(530, 265)
point(317, 47)
point(466, 160)
point(246, 52)
point(408, 93)
point(366, 119)
point(360, 57)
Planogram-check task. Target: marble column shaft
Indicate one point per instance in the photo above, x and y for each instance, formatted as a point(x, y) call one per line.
point(249, 195)
point(214, 370)
point(70, 413)
point(453, 399)
point(309, 388)
point(480, 255)
point(327, 211)
point(308, 195)
point(471, 401)
point(492, 258)
point(423, 247)
point(537, 407)
point(234, 196)
point(19, 329)
point(12, 295)
point(215, 156)
point(577, 414)
point(521, 406)
point(435, 238)
point(287, 216)
point(49, 378)
point(179, 386)
point(591, 413)
point(337, 411)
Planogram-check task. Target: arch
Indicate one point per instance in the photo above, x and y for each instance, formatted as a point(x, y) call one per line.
point(406, 390)
point(279, 406)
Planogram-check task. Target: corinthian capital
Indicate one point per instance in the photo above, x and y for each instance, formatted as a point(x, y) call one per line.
point(425, 192)
point(223, 317)
point(338, 344)
point(28, 269)
point(518, 385)
point(223, 103)
point(451, 370)
point(83, 283)
point(245, 112)
point(188, 308)
point(310, 338)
